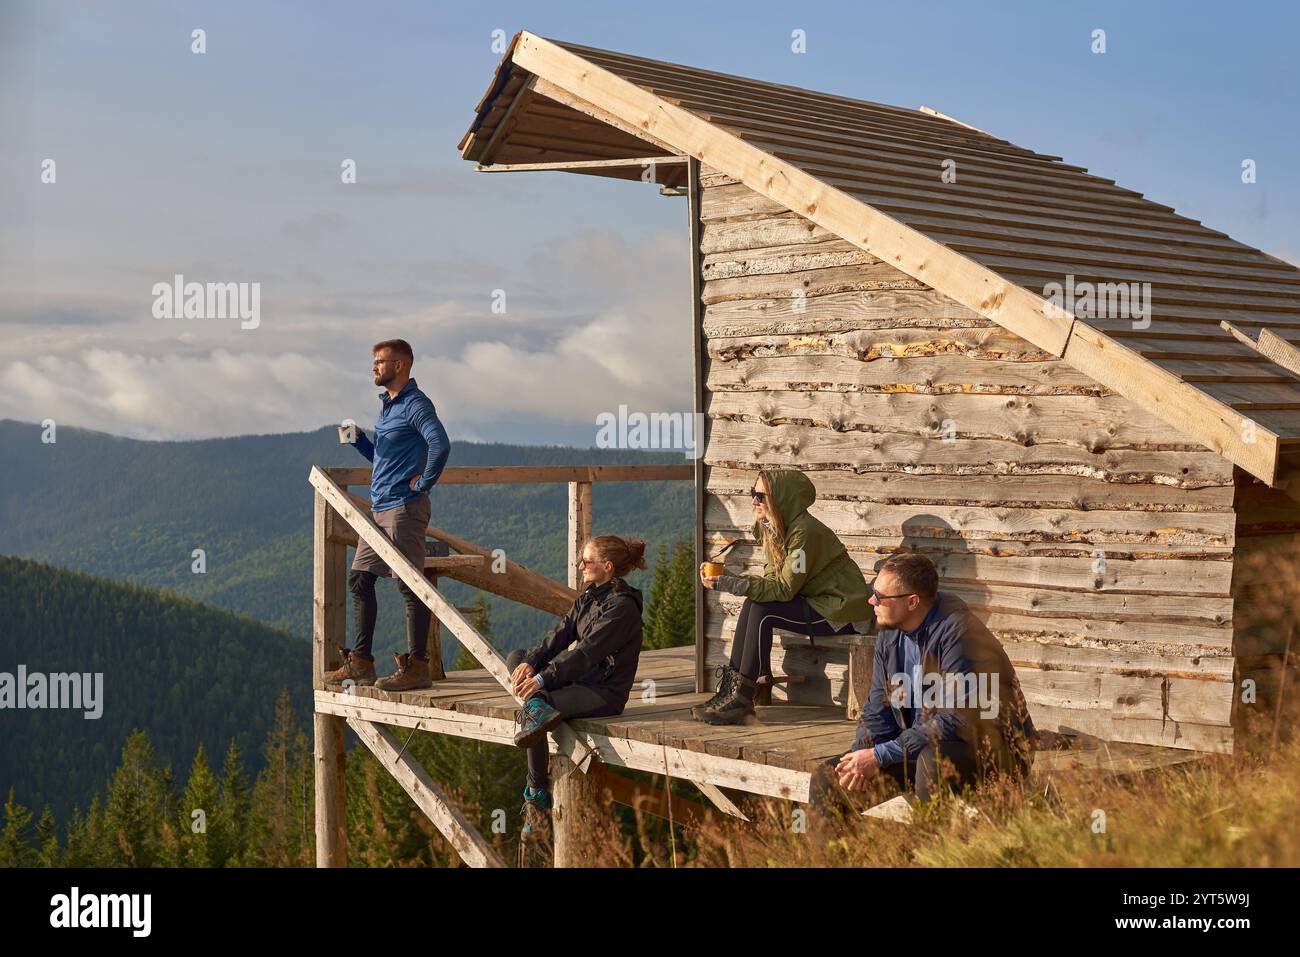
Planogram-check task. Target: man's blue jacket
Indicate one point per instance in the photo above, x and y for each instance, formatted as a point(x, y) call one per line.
point(953, 642)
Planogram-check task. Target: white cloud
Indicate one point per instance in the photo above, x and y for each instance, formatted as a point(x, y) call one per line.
point(593, 322)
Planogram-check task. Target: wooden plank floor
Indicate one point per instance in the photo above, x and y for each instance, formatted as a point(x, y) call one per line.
point(795, 737)
point(792, 737)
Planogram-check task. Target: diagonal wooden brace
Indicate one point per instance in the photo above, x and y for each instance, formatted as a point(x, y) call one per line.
point(472, 847)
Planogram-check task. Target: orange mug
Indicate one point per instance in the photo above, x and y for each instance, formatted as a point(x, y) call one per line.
point(713, 569)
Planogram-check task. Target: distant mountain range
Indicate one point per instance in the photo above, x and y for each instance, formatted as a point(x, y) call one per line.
point(136, 511)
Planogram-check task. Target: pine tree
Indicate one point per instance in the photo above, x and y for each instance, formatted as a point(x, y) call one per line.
point(226, 840)
point(197, 816)
point(681, 615)
point(280, 818)
point(16, 841)
point(139, 801)
point(670, 619)
point(75, 852)
point(94, 846)
point(48, 837)
point(658, 588)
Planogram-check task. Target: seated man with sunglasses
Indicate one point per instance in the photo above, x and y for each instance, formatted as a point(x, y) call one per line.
point(945, 707)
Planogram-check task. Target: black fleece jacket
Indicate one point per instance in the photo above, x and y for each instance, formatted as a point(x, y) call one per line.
point(606, 624)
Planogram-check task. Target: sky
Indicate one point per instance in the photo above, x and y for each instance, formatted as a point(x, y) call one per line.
point(225, 166)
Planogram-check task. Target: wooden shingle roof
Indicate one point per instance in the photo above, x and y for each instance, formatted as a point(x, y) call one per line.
point(1013, 222)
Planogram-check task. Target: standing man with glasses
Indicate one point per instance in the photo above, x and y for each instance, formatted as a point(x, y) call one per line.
point(945, 706)
point(408, 455)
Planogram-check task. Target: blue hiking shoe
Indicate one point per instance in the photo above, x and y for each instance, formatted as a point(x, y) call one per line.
point(534, 719)
point(536, 813)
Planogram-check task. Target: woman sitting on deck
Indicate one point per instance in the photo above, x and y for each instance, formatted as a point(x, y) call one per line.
point(809, 585)
point(594, 677)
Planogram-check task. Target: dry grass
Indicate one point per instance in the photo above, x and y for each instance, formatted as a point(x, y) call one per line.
point(1219, 811)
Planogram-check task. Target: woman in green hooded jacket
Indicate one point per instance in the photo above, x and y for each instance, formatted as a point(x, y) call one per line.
point(809, 585)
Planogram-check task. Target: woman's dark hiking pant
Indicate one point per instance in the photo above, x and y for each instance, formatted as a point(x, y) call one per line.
point(751, 652)
point(572, 701)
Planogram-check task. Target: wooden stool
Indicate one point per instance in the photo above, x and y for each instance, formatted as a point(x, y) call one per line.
point(766, 681)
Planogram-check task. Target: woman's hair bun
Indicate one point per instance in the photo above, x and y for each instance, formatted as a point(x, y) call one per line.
point(625, 554)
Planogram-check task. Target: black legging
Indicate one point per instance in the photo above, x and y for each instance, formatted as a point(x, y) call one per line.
point(362, 586)
point(751, 652)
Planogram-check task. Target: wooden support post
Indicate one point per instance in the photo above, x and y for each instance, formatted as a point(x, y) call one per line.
point(329, 572)
point(580, 813)
point(699, 356)
point(472, 847)
point(579, 527)
point(329, 627)
point(436, 671)
point(331, 814)
point(862, 649)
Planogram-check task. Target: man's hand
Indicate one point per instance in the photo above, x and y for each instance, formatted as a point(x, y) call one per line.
point(521, 679)
point(414, 479)
point(857, 768)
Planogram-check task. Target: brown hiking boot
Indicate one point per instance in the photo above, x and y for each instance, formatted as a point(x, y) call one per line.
point(412, 673)
point(354, 668)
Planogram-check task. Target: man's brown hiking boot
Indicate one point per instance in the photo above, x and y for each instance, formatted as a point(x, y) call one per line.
point(412, 673)
point(356, 669)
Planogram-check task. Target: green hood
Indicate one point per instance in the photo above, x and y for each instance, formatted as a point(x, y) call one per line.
point(833, 584)
point(792, 493)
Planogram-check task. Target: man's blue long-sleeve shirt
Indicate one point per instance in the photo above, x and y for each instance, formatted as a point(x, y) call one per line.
point(409, 440)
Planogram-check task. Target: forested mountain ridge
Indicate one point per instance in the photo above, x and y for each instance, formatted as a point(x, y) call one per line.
point(185, 673)
point(137, 510)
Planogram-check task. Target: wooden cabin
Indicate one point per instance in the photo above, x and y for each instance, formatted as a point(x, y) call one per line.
point(1110, 480)
point(1084, 406)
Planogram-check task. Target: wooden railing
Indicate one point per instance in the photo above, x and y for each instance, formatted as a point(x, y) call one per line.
point(342, 519)
point(472, 563)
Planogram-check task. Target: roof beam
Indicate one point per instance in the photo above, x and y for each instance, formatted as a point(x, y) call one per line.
point(579, 165)
point(1270, 345)
point(507, 123)
point(562, 95)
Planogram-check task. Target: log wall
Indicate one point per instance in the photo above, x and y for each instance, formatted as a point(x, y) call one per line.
point(1096, 542)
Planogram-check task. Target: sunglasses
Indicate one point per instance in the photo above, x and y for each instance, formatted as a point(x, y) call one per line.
point(757, 496)
point(880, 597)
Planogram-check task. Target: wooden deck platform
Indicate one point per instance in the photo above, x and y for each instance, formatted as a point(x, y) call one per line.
point(769, 755)
point(772, 754)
